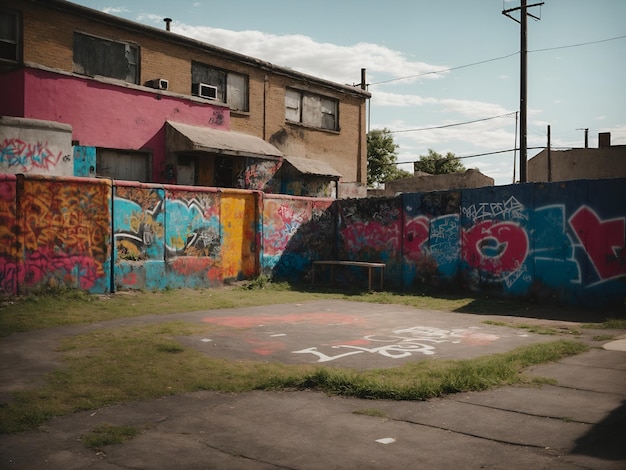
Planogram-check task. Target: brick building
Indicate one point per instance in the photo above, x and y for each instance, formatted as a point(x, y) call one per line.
point(146, 104)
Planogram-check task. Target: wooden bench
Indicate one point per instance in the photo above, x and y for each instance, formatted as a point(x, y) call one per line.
point(363, 264)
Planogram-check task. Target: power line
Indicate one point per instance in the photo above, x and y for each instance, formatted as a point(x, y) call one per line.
point(579, 44)
point(487, 153)
point(445, 70)
point(453, 125)
point(495, 59)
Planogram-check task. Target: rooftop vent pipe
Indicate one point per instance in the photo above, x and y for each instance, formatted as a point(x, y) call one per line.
point(167, 23)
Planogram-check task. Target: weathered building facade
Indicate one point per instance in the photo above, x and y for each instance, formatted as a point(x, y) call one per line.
point(424, 182)
point(606, 161)
point(146, 104)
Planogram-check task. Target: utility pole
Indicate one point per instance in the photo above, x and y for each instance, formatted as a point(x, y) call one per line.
point(549, 155)
point(523, 8)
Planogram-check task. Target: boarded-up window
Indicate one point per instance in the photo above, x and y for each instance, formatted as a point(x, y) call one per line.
point(9, 36)
point(232, 88)
point(119, 165)
point(311, 110)
point(108, 58)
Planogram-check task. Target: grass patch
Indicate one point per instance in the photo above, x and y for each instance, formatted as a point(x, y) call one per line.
point(540, 330)
point(603, 337)
point(107, 434)
point(49, 309)
point(609, 324)
point(122, 365)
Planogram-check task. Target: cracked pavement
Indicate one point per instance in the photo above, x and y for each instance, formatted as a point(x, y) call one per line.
point(578, 423)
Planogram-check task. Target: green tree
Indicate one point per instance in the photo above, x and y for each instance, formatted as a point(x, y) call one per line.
point(382, 158)
point(437, 164)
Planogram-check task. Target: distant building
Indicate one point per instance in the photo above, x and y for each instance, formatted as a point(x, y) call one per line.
point(424, 182)
point(86, 93)
point(606, 161)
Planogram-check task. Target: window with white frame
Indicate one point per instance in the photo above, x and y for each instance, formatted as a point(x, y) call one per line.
point(229, 87)
point(311, 109)
point(106, 57)
point(9, 36)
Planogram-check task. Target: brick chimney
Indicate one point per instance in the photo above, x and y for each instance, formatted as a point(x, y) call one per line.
point(604, 139)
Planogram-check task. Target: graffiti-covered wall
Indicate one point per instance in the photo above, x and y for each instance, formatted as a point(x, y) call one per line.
point(56, 233)
point(37, 147)
point(182, 236)
point(294, 232)
point(561, 241)
point(8, 234)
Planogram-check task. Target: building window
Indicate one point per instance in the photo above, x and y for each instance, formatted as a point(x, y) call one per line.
point(106, 57)
point(9, 37)
point(311, 110)
point(228, 87)
point(123, 165)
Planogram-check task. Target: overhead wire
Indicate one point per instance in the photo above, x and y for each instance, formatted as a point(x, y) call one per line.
point(454, 124)
point(487, 118)
point(495, 59)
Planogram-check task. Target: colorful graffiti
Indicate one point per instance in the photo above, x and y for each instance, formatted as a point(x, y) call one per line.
point(604, 242)
point(139, 223)
point(295, 231)
point(23, 156)
point(259, 174)
point(8, 235)
point(64, 235)
point(370, 229)
point(282, 220)
point(563, 241)
point(193, 224)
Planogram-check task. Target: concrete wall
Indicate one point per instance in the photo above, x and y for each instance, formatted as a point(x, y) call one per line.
point(37, 147)
point(562, 241)
point(423, 183)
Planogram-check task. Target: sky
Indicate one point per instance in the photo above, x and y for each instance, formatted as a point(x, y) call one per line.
point(443, 74)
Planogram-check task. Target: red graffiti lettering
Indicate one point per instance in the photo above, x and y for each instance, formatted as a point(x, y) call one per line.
point(604, 242)
point(25, 156)
point(416, 233)
point(497, 247)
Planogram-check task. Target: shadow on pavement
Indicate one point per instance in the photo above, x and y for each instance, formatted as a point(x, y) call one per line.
point(606, 439)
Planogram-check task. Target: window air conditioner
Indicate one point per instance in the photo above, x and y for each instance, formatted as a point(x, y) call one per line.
point(205, 91)
point(158, 83)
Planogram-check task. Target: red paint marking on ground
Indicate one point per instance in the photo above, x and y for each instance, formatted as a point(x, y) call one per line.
point(266, 348)
point(478, 339)
point(292, 318)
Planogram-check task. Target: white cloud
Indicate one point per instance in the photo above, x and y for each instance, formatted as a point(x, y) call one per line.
point(341, 64)
point(114, 10)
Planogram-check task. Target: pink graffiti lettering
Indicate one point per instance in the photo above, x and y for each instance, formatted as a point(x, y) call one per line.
point(371, 236)
point(43, 266)
point(604, 242)
point(497, 247)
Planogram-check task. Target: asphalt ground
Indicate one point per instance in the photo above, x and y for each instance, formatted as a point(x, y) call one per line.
point(580, 423)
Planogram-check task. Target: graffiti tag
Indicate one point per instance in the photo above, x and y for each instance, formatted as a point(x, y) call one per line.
point(26, 156)
point(405, 342)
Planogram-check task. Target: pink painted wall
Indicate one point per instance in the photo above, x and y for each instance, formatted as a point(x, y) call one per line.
point(111, 116)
